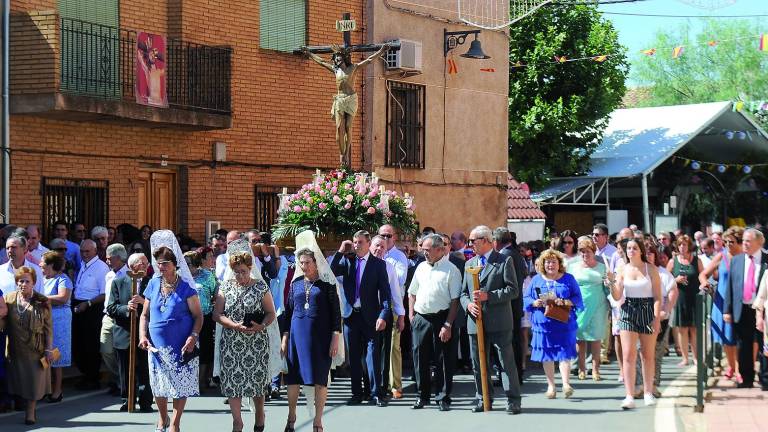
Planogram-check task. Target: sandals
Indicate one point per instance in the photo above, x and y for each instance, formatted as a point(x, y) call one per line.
point(289, 425)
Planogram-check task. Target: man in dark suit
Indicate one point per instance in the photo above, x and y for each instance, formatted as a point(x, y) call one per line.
point(498, 287)
point(505, 244)
point(366, 311)
point(746, 272)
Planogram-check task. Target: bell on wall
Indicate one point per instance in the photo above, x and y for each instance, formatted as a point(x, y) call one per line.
point(475, 51)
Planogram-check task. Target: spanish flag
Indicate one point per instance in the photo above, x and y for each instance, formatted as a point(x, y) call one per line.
point(677, 52)
point(600, 59)
point(764, 42)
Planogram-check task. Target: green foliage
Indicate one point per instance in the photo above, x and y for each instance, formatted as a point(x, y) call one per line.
point(557, 112)
point(341, 203)
point(733, 69)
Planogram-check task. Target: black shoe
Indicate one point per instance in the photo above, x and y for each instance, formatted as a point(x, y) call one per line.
point(55, 400)
point(355, 400)
point(745, 385)
point(275, 394)
point(29, 422)
point(764, 388)
point(380, 402)
point(124, 407)
point(444, 405)
point(146, 409)
point(419, 404)
point(514, 408)
point(478, 408)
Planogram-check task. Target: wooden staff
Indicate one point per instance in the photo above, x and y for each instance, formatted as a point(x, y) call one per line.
point(135, 278)
point(475, 272)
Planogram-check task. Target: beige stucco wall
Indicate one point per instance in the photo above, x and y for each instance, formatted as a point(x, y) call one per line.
point(464, 180)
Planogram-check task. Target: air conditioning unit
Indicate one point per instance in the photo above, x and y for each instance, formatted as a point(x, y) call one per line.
point(407, 58)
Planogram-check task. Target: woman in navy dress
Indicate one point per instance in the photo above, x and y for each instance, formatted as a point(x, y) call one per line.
point(553, 340)
point(311, 338)
point(169, 328)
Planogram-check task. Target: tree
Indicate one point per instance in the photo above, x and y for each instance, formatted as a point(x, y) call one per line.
point(731, 69)
point(558, 111)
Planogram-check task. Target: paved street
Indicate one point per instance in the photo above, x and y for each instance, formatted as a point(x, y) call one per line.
point(594, 406)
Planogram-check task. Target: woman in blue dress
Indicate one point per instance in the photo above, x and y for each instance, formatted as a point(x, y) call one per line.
point(5, 401)
point(311, 337)
point(169, 329)
point(553, 340)
point(58, 287)
point(719, 268)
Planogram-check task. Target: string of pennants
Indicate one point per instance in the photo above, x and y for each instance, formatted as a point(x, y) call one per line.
point(676, 52)
point(716, 167)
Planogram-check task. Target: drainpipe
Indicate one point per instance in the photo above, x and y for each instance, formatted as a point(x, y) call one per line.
point(5, 205)
point(646, 207)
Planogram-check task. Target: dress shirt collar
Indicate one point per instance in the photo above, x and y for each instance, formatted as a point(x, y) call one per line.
point(487, 255)
point(364, 257)
point(90, 263)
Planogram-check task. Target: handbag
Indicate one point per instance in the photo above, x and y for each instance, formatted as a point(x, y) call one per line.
point(558, 312)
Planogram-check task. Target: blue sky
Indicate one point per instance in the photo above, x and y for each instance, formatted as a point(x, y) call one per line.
point(637, 32)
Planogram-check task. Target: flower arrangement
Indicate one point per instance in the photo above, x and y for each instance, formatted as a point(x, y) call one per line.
point(340, 203)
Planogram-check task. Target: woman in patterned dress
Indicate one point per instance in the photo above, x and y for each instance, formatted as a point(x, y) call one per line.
point(58, 288)
point(244, 347)
point(169, 329)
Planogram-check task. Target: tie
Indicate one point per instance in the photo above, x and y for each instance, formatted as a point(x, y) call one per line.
point(358, 277)
point(482, 260)
point(749, 283)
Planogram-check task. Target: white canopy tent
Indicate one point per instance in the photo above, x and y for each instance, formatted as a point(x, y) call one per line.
point(638, 140)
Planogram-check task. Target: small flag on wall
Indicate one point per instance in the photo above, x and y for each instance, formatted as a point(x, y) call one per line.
point(764, 42)
point(678, 51)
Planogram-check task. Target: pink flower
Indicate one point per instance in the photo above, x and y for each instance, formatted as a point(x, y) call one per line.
point(349, 198)
point(373, 193)
point(306, 195)
point(365, 203)
point(322, 193)
point(322, 206)
point(347, 206)
point(334, 190)
point(310, 200)
point(305, 208)
point(335, 183)
point(340, 175)
point(371, 210)
point(347, 186)
point(336, 199)
point(297, 208)
point(318, 188)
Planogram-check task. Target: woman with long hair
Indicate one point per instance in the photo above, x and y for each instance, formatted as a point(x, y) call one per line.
point(686, 267)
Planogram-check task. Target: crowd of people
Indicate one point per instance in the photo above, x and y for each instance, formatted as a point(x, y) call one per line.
point(242, 315)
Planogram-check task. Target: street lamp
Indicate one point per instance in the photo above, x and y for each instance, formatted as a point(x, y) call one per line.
point(455, 38)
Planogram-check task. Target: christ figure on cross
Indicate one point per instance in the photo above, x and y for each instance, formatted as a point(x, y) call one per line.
point(344, 106)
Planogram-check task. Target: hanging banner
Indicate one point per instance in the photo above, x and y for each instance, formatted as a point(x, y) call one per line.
point(150, 80)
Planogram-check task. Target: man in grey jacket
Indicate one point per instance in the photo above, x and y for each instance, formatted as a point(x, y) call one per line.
point(498, 287)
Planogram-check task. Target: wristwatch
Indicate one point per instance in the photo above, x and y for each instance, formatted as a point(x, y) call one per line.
point(89, 303)
point(447, 324)
point(195, 335)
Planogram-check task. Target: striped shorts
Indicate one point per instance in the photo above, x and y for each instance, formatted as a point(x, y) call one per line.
point(637, 315)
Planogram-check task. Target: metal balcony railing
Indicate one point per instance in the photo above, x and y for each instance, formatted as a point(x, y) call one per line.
point(99, 61)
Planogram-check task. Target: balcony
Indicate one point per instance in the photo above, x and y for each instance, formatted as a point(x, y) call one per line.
point(73, 70)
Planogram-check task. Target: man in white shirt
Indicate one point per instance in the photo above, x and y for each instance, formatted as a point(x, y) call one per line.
point(434, 298)
point(379, 249)
point(87, 310)
point(15, 248)
point(222, 261)
point(605, 249)
point(34, 247)
point(116, 260)
point(399, 261)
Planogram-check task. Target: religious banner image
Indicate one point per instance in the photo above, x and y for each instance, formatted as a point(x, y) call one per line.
point(150, 81)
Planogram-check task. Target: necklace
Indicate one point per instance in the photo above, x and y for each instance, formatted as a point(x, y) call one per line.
point(307, 289)
point(171, 288)
point(21, 311)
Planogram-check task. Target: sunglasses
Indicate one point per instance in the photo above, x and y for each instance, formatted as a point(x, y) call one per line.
point(386, 236)
point(470, 241)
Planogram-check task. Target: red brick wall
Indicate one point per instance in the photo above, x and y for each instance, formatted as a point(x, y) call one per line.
point(280, 104)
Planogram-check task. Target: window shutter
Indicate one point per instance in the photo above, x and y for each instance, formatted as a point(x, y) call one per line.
point(282, 24)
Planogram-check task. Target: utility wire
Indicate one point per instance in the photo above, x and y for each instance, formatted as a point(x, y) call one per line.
point(683, 16)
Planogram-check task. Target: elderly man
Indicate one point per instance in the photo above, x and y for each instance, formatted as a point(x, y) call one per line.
point(116, 259)
point(121, 304)
point(389, 368)
point(434, 298)
point(16, 248)
point(459, 244)
point(498, 287)
point(34, 247)
point(100, 235)
point(747, 271)
point(60, 231)
point(222, 261)
point(87, 310)
point(393, 370)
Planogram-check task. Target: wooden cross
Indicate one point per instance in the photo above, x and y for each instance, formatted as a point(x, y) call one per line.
point(347, 34)
point(135, 276)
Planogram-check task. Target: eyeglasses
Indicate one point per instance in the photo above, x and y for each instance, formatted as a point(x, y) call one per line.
point(568, 242)
point(597, 234)
point(471, 240)
point(386, 236)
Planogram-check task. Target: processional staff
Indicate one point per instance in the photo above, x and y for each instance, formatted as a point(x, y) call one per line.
point(135, 276)
point(475, 272)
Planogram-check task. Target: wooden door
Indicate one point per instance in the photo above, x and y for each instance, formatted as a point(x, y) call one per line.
point(157, 199)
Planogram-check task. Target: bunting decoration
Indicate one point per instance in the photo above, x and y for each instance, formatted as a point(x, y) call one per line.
point(764, 42)
point(561, 59)
point(649, 52)
point(721, 168)
point(452, 68)
point(601, 58)
point(677, 52)
point(712, 43)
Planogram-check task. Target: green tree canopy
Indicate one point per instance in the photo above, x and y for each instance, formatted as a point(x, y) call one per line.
point(558, 111)
point(733, 69)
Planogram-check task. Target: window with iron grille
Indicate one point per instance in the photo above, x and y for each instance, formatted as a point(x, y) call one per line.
point(282, 24)
point(267, 203)
point(405, 125)
point(71, 200)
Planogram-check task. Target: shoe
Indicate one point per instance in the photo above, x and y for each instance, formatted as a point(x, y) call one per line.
point(45, 397)
point(51, 399)
point(355, 400)
point(551, 393)
point(739, 379)
point(649, 399)
point(289, 425)
point(764, 388)
point(146, 409)
point(419, 404)
point(567, 392)
point(605, 361)
point(397, 394)
point(29, 422)
point(380, 402)
point(628, 403)
point(444, 405)
point(596, 376)
point(275, 394)
point(257, 428)
point(620, 378)
point(638, 393)
point(683, 363)
point(582, 375)
point(745, 385)
point(514, 408)
point(729, 373)
point(656, 393)
point(478, 408)
point(124, 407)
point(164, 427)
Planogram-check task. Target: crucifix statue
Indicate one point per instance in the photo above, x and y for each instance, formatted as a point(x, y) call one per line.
point(344, 106)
